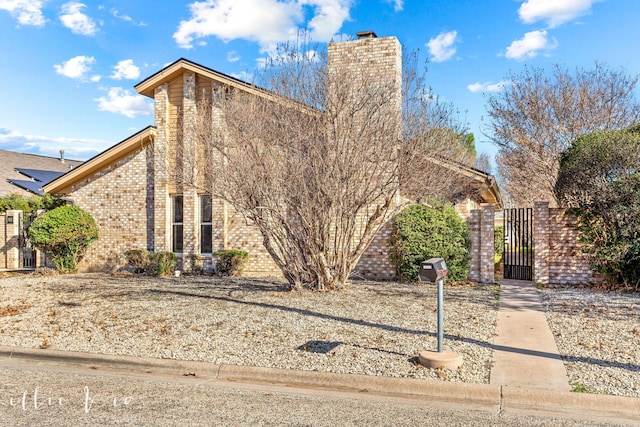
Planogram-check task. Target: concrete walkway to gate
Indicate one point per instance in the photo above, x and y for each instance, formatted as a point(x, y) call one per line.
point(524, 350)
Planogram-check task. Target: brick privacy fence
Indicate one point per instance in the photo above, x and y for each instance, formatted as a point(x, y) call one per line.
point(481, 226)
point(557, 257)
point(11, 245)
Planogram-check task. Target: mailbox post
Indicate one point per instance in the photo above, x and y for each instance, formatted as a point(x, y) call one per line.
point(435, 270)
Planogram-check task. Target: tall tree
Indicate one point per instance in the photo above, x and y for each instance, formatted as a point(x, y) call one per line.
point(537, 116)
point(318, 159)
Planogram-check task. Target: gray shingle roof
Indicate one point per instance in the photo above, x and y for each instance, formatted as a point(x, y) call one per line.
point(34, 166)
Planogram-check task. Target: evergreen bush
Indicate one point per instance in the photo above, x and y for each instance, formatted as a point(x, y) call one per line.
point(64, 234)
point(230, 262)
point(421, 232)
point(162, 263)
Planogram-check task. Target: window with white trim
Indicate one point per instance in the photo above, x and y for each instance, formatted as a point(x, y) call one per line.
point(177, 226)
point(206, 244)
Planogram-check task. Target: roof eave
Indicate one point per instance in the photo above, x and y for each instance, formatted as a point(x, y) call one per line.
point(64, 184)
point(170, 72)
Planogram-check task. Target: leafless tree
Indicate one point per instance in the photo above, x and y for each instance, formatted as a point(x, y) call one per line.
point(483, 163)
point(319, 161)
point(537, 116)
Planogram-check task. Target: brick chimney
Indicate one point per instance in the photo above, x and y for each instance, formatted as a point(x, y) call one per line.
point(370, 60)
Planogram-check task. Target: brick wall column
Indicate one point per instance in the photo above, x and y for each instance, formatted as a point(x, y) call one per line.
point(161, 205)
point(473, 223)
point(190, 171)
point(487, 249)
point(219, 208)
point(12, 247)
point(541, 242)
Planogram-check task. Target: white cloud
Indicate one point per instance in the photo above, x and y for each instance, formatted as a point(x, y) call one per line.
point(125, 69)
point(266, 22)
point(530, 45)
point(126, 18)
point(443, 47)
point(244, 76)
point(487, 86)
point(74, 148)
point(397, 4)
point(121, 101)
point(553, 12)
point(27, 12)
point(75, 68)
point(232, 56)
point(72, 17)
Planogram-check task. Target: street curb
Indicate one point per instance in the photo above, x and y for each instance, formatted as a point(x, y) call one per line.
point(478, 395)
point(583, 406)
point(494, 398)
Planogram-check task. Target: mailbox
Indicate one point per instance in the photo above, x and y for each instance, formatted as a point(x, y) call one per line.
point(432, 270)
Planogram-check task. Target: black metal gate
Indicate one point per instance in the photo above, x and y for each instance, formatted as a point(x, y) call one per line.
point(27, 251)
point(518, 244)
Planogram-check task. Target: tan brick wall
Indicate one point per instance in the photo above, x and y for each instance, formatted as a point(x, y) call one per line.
point(558, 259)
point(248, 238)
point(10, 239)
point(120, 199)
point(474, 224)
point(481, 225)
point(374, 263)
point(487, 247)
point(566, 263)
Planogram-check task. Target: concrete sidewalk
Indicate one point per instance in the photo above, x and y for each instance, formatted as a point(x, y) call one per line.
point(524, 349)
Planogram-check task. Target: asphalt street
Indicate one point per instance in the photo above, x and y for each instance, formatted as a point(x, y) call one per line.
point(56, 394)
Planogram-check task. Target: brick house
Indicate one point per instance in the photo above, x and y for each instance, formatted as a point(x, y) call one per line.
point(136, 206)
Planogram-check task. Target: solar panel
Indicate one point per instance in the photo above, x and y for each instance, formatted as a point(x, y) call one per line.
point(33, 186)
point(43, 176)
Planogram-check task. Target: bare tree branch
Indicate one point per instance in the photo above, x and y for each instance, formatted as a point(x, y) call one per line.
point(538, 115)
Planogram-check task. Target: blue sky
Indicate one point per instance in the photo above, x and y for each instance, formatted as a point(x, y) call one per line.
point(69, 67)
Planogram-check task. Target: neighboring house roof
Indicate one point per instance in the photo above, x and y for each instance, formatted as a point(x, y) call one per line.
point(484, 186)
point(25, 174)
point(63, 184)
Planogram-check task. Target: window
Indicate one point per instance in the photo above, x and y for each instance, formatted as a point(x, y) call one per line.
point(176, 224)
point(205, 225)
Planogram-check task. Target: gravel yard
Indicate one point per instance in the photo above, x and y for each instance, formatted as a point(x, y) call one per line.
point(365, 328)
point(598, 336)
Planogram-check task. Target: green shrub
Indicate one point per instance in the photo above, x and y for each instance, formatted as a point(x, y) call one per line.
point(230, 262)
point(162, 263)
point(421, 232)
point(29, 204)
point(599, 181)
point(138, 259)
point(498, 241)
point(64, 234)
point(196, 264)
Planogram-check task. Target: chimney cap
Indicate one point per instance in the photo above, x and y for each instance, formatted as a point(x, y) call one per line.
point(366, 35)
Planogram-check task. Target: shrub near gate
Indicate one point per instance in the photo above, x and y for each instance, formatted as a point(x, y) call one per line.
point(64, 234)
point(421, 232)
